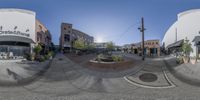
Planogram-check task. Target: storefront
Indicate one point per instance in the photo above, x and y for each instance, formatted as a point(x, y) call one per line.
point(14, 47)
point(197, 44)
point(17, 33)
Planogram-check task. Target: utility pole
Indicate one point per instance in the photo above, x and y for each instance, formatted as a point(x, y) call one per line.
point(142, 29)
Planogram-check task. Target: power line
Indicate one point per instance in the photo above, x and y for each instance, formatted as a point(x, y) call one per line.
point(123, 34)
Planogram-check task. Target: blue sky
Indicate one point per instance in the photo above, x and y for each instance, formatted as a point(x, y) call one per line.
point(107, 20)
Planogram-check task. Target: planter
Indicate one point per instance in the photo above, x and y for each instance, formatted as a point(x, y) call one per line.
point(193, 61)
point(179, 60)
point(198, 60)
point(185, 59)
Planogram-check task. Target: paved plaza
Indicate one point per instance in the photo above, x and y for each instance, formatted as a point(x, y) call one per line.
point(66, 80)
point(18, 72)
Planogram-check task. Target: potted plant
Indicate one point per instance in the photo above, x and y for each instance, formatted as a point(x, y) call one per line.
point(37, 51)
point(198, 59)
point(186, 48)
point(32, 57)
point(193, 60)
point(179, 60)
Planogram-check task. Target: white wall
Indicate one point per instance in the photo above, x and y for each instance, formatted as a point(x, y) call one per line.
point(188, 25)
point(23, 19)
point(170, 35)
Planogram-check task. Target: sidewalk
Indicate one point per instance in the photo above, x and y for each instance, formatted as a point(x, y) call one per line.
point(187, 73)
point(17, 72)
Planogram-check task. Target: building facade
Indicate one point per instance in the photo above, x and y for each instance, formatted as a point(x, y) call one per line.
point(101, 45)
point(18, 29)
point(151, 48)
point(69, 35)
point(43, 37)
point(187, 27)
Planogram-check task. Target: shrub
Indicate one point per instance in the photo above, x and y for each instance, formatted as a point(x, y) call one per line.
point(40, 58)
point(37, 49)
point(179, 60)
point(30, 57)
point(46, 57)
point(117, 58)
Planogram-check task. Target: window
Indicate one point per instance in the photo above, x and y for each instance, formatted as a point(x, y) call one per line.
point(156, 42)
point(39, 37)
point(66, 37)
point(65, 28)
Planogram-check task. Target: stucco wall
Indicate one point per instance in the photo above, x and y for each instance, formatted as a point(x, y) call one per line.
point(18, 20)
point(187, 25)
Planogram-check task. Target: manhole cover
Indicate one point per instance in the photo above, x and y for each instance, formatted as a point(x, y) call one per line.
point(148, 77)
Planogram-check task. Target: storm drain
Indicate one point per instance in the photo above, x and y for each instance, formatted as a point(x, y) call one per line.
point(148, 77)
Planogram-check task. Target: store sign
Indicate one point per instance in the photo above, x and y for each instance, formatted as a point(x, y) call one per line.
point(14, 33)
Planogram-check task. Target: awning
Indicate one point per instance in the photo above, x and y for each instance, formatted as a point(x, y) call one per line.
point(15, 39)
point(176, 44)
point(196, 40)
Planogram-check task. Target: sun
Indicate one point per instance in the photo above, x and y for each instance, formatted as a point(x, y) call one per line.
point(99, 39)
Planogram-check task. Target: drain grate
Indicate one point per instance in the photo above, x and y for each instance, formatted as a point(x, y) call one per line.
point(148, 77)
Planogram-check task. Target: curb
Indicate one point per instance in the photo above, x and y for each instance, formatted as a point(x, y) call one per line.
point(182, 77)
point(28, 80)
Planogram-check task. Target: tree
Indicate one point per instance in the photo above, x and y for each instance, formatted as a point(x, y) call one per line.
point(90, 46)
point(186, 48)
point(110, 45)
point(38, 49)
point(79, 44)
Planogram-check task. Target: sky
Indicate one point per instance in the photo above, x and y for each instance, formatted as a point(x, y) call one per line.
point(107, 20)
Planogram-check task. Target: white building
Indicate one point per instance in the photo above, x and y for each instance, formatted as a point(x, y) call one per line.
point(20, 31)
point(187, 26)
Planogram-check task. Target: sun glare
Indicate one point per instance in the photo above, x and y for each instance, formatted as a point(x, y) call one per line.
point(99, 40)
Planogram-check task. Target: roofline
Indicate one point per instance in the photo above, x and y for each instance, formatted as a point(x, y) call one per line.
point(81, 32)
point(187, 12)
point(17, 10)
